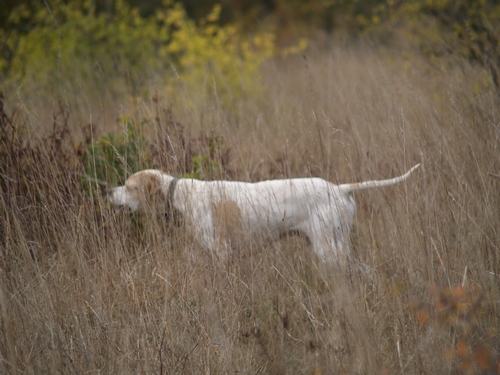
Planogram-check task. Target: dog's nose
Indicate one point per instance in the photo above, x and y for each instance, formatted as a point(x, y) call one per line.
point(109, 197)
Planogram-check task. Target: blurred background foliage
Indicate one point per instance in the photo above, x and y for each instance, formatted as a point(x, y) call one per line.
point(213, 42)
point(77, 40)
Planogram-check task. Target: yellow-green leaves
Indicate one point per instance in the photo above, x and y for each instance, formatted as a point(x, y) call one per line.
point(208, 54)
point(74, 41)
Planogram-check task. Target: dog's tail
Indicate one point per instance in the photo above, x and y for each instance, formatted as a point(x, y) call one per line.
point(349, 188)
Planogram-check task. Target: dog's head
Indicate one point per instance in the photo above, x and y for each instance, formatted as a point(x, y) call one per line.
point(143, 191)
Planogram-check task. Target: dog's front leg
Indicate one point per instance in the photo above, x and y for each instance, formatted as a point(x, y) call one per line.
point(208, 235)
point(205, 233)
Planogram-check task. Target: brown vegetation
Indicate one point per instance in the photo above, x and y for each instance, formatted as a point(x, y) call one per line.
point(87, 289)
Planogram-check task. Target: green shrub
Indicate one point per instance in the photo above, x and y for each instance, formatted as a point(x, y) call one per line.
point(115, 156)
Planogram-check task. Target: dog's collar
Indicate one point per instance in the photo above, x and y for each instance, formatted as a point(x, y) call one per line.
point(170, 194)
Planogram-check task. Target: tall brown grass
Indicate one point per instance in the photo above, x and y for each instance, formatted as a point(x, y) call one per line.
point(87, 289)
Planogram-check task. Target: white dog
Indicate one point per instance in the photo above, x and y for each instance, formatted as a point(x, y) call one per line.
point(223, 212)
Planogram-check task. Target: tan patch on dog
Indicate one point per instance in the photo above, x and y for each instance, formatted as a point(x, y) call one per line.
point(148, 190)
point(228, 223)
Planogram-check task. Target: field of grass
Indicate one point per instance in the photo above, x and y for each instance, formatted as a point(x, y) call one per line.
point(85, 289)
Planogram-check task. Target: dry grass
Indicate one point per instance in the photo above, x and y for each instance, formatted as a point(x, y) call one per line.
point(85, 289)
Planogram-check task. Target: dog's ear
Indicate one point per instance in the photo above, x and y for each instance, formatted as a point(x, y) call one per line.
point(153, 194)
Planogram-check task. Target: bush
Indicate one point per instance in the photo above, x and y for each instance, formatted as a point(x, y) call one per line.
point(114, 157)
point(72, 40)
point(442, 28)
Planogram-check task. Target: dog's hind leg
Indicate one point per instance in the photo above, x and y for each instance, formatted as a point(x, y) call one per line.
point(327, 240)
